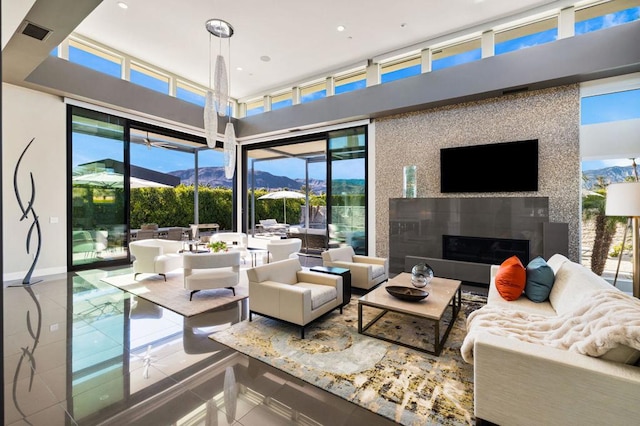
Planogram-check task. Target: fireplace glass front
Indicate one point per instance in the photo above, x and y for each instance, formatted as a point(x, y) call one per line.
point(492, 251)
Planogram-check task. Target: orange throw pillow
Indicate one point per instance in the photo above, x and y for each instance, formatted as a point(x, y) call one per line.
point(511, 278)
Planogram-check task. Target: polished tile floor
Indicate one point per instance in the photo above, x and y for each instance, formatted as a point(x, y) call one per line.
point(80, 351)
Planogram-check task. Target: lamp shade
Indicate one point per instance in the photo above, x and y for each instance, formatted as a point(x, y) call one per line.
point(623, 199)
point(210, 120)
point(229, 151)
point(221, 86)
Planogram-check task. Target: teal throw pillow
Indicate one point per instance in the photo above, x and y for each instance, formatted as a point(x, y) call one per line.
point(540, 279)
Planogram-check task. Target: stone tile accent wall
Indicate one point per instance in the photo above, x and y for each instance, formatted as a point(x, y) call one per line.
point(552, 116)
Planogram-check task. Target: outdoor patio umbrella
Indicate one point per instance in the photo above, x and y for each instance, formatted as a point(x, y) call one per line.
point(114, 180)
point(277, 195)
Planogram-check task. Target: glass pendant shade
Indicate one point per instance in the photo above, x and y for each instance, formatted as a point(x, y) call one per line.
point(229, 151)
point(221, 86)
point(210, 120)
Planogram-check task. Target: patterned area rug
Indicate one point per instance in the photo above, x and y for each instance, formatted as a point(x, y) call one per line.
point(172, 294)
point(404, 385)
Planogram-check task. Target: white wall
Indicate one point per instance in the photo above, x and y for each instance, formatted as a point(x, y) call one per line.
point(27, 114)
point(13, 12)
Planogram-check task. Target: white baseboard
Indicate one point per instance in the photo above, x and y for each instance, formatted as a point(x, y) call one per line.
point(15, 278)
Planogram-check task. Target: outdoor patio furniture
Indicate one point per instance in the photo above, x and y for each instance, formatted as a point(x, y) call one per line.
point(175, 234)
point(196, 228)
point(84, 243)
point(272, 226)
point(336, 238)
point(144, 234)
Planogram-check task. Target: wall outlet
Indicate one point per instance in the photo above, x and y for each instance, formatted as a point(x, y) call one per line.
point(53, 219)
point(53, 327)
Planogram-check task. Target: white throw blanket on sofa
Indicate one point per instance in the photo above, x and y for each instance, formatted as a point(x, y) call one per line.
point(605, 320)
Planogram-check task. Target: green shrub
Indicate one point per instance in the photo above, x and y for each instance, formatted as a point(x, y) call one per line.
point(617, 249)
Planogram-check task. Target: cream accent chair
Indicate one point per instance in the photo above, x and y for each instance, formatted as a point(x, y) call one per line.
point(155, 256)
point(211, 270)
point(366, 271)
point(282, 290)
point(283, 249)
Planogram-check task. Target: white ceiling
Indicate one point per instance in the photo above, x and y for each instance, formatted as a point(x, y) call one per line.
point(299, 36)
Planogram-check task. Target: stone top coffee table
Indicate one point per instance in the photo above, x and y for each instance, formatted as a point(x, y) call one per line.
point(443, 293)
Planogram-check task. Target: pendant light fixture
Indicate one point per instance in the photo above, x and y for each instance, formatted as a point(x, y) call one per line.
point(217, 99)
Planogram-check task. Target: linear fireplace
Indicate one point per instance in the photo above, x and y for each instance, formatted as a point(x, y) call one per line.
point(491, 251)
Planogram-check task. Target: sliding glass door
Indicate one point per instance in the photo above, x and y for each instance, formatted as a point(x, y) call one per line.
point(127, 176)
point(326, 173)
point(347, 211)
point(97, 219)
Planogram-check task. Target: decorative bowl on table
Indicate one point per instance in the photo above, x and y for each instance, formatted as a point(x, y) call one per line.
point(421, 275)
point(406, 293)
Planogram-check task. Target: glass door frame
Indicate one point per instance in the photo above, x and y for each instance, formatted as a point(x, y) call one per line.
point(247, 226)
point(127, 124)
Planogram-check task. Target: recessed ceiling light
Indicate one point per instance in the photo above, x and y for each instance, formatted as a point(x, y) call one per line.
point(340, 28)
point(265, 58)
point(239, 68)
point(123, 5)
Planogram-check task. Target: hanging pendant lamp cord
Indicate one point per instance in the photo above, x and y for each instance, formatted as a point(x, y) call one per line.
point(229, 82)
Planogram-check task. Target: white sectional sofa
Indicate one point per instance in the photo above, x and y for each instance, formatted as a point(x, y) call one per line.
point(525, 383)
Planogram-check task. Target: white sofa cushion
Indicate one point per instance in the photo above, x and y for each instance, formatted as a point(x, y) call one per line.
point(207, 279)
point(320, 294)
point(556, 262)
point(377, 271)
point(572, 283)
point(342, 254)
point(284, 271)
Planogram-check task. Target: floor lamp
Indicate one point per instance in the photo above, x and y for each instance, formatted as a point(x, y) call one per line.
point(623, 199)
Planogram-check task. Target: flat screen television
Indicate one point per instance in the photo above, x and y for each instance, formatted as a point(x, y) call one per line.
point(497, 167)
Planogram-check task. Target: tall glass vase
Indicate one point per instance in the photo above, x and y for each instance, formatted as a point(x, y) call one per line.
point(410, 186)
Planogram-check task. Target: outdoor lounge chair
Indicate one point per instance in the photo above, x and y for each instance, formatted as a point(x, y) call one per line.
point(272, 226)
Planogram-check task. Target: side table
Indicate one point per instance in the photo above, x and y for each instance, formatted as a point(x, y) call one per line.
point(346, 279)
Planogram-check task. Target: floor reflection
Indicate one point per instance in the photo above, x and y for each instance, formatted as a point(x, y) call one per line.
point(80, 351)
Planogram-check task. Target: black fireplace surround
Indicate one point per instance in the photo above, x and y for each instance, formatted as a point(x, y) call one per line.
point(420, 227)
point(491, 251)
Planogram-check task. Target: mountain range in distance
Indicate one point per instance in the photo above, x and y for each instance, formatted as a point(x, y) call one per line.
point(214, 177)
point(608, 175)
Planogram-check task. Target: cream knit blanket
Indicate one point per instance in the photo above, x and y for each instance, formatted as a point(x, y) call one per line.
point(605, 320)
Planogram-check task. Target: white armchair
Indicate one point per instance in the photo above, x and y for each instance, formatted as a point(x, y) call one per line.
point(236, 241)
point(283, 249)
point(285, 292)
point(155, 256)
point(211, 270)
point(366, 271)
